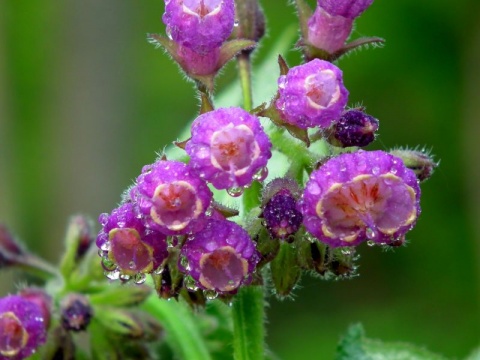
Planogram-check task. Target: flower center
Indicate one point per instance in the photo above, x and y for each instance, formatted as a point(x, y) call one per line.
point(322, 89)
point(380, 203)
point(202, 8)
point(175, 205)
point(234, 149)
point(223, 269)
point(129, 252)
point(13, 336)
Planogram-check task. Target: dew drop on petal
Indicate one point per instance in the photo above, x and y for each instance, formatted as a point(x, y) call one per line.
point(235, 191)
point(105, 246)
point(139, 278)
point(261, 174)
point(370, 243)
point(124, 277)
point(210, 294)
point(190, 283)
point(371, 233)
point(112, 275)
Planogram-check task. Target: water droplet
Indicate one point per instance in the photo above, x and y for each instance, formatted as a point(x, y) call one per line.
point(235, 191)
point(112, 275)
point(190, 283)
point(105, 246)
point(371, 233)
point(346, 251)
point(376, 170)
point(261, 174)
point(168, 30)
point(210, 294)
point(159, 270)
point(124, 277)
point(131, 264)
point(103, 219)
point(140, 278)
point(236, 23)
point(108, 265)
point(370, 243)
point(184, 262)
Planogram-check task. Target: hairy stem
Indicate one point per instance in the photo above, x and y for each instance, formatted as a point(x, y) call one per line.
point(248, 324)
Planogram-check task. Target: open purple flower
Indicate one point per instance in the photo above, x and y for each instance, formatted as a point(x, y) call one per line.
point(22, 328)
point(220, 257)
point(228, 147)
point(361, 196)
point(200, 25)
point(172, 199)
point(129, 247)
point(312, 94)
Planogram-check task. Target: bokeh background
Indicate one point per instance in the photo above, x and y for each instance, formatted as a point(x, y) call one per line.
point(85, 101)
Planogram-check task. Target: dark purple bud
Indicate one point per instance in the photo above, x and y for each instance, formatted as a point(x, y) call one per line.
point(419, 161)
point(22, 328)
point(280, 210)
point(82, 230)
point(354, 128)
point(76, 312)
point(10, 250)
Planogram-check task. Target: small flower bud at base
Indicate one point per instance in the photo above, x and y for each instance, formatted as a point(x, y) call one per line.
point(354, 128)
point(76, 312)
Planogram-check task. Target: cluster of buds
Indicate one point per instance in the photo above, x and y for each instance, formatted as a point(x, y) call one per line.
point(169, 225)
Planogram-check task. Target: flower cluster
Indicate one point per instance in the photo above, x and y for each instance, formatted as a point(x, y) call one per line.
point(171, 226)
point(171, 203)
point(176, 225)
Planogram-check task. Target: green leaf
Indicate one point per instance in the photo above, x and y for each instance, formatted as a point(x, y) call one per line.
point(354, 346)
point(182, 332)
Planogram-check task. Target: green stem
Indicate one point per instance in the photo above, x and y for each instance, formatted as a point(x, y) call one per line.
point(248, 324)
point(182, 333)
point(245, 79)
point(37, 267)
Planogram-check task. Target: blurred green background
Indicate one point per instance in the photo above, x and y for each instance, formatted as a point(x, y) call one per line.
point(85, 102)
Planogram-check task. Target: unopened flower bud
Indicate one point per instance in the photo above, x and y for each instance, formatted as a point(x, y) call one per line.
point(280, 209)
point(76, 312)
point(10, 249)
point(200, 25)
point(312, 94)
point(331, 24)
point(250, 23)
point(22, 328)
point(354, 128)
point(420, 162)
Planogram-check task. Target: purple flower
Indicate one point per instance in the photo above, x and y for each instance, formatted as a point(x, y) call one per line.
point(361, 196)
point(128, 247)
point(312, 94)
point(228, 148)
point(221, 257)
point(346, 8)
point(41, 299)
point(172, 199)
point(22, 328)
point(332, 22)
point(354, 128)
point(200, 25)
